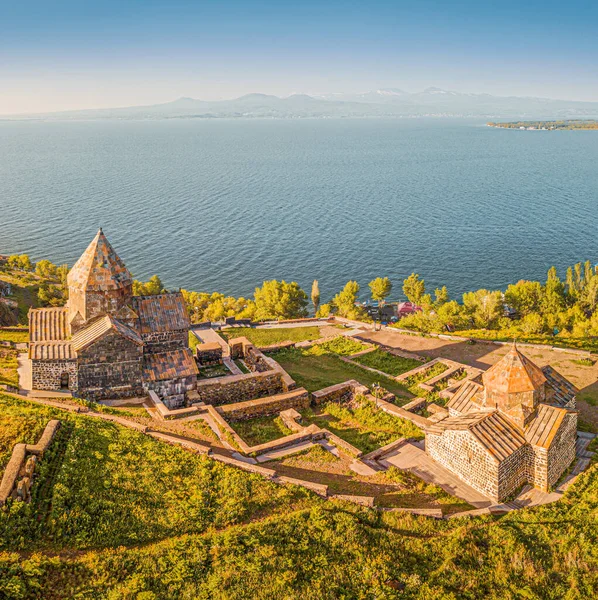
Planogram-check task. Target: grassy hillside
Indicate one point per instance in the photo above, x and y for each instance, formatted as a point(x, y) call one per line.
point(118, 515)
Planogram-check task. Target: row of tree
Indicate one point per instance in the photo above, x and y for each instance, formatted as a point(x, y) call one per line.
point(568, 306)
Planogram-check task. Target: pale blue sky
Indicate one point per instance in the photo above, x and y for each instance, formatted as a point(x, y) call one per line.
point(64, 54)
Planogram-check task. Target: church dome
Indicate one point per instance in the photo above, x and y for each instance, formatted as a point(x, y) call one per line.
point(513, 374)
point(99, 268)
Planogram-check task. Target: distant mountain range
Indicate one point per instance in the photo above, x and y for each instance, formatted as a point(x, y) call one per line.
point(389, 102)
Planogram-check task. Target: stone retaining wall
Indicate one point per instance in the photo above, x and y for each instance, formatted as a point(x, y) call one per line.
point(18, 475)
point(208, 354)
point(341, 392)
point(262, 407)
point(239, 388)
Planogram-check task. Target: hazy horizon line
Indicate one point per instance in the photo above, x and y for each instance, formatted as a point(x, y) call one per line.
point(325, 96)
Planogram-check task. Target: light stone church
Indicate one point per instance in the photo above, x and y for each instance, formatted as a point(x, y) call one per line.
point(518, 426)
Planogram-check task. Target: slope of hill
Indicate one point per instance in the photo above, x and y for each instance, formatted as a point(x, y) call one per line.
point(117, 515)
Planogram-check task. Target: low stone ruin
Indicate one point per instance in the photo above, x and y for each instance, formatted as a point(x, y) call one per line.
point(19, 474)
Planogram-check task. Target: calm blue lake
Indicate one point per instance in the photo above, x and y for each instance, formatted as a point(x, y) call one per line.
point(220, 205)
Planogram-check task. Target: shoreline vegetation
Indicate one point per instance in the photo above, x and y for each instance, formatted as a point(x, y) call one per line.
point(568, 125)
point(558, 312)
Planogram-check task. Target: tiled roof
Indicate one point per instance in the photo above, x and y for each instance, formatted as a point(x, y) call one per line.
point(464, 399)
point(541, 431)
point(161, 313)
point(169, 365)
point(492, 429)
point(514, 373)
point(99, 327)
point(48, 324)
point(99, 268)
point(564, 390)
point(52, 351)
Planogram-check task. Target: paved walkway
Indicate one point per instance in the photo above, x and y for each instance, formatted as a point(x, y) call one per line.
point(411, 457)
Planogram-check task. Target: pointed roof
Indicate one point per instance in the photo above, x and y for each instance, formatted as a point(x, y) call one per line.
point(514, 373)
point(99, 268)
point(98, 328)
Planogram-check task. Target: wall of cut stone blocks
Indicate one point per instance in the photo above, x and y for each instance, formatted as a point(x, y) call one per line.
point(110, 368)
point(172, 391)
point(514, 471)
point(165, 341)
point(262, 407)
point(239, 388)
point(462, 454)
point(562, 450)
point(47, 374)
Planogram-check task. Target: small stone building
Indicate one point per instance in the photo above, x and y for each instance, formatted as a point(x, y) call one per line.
point(518, 426)
point(107, 343)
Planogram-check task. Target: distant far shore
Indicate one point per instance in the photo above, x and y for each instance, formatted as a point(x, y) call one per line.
point(548, 125)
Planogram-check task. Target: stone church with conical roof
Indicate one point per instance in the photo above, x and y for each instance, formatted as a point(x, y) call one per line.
point(517, 426)
point(106, 343)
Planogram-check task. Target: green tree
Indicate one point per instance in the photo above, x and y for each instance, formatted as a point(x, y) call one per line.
point(280, 300)
point(324, 310)
point(484, 307)
point(345, 300)
point(414, 288)
point(553, 301)
point(22, 262)
point(441, 296)
point(44, 268)
point(315, 295)
point(50, 295)
point(532, 324)
point(589, 295)
point(150, 288)
point(380, 288)
point(525, 297)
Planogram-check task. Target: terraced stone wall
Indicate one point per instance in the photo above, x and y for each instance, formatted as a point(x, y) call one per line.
point(239, 388)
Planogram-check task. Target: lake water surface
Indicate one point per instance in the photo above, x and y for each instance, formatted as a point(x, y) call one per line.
point(224, 204)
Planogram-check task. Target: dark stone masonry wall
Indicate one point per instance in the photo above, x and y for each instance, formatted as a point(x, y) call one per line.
point(172, 391)
point(165, 341)
point(110, 368)
point(47, 374)
point(262, 407)
point(239, 388)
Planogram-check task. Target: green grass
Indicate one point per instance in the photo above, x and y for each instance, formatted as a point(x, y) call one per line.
point(8, 366)
point(387, 363)
point(435, 370)
point(241, 366)
point(584, 362)
point(108, 485)
point(362, 425)
point(213, 371)
point(341, 345)
point(118, 515)
point(19, 424)
point(315, 372)
point(261, 430)
point(193, 341)
point(267, 337)
point(17, 337)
